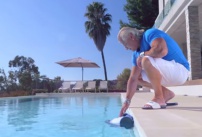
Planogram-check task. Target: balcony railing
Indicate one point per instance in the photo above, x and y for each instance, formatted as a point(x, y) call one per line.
point(164, 13)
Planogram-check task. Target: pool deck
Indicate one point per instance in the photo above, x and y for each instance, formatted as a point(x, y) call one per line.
point(183, 120)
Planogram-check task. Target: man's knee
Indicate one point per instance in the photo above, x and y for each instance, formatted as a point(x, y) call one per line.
point(146, 63)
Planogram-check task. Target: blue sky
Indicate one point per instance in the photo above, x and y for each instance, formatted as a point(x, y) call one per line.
point(49, 31)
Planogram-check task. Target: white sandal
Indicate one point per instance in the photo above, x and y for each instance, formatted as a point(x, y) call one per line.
point(153, 105)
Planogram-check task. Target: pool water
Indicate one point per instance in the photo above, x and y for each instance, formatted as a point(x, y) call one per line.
point(69, 116)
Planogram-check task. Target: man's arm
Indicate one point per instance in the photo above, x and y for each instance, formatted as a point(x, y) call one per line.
point(131, 88)
point(158, 49)
point(132, 82)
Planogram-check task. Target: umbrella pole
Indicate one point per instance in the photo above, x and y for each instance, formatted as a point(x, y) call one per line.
point(82, 73)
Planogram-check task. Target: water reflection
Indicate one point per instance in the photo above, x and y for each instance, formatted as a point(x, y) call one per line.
point(2, 108)
point(22, 113)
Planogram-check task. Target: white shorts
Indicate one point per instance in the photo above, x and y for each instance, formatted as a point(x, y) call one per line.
point(172, 72)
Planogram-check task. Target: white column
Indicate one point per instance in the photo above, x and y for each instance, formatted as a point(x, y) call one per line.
point(193, 42)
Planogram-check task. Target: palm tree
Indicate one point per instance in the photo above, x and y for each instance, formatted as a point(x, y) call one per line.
point(98, 27)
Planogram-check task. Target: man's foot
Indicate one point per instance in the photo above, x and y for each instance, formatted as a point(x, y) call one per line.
point(167, 94)
point(159, 101)
point(153, 105)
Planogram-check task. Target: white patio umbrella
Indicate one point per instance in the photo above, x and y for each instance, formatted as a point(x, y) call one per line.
point(78, 62)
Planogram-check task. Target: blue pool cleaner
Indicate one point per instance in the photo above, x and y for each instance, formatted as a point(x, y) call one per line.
point(125, 121)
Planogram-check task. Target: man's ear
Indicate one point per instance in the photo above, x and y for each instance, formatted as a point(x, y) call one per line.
point(131, 35)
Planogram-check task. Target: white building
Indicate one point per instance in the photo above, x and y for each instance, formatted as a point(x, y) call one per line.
point(182, 20)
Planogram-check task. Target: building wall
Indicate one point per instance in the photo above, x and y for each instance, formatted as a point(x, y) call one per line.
point(186, 29)
point(200, 23)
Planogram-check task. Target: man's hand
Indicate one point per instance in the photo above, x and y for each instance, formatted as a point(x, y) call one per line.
point(123, 109)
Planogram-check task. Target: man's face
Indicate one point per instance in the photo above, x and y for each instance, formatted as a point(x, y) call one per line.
point(131, 43)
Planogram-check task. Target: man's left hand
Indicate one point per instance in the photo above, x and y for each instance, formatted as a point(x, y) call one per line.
point(123, 109)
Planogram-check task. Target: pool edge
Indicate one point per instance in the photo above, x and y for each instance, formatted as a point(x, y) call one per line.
point(140, 130)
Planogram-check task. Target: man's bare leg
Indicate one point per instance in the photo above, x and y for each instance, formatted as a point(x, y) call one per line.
point(167, 94)
point(154, 77)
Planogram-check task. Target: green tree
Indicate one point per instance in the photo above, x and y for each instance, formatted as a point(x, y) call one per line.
point(42, 82)
point(97, 26)
point(57, 82)
point(141, 13)
point(3, 80)
point(35, 81)
point(58, 78)
point(25, 80)
point(26, 70)
point(123, 79)
point(12, 81)
point(8, 83)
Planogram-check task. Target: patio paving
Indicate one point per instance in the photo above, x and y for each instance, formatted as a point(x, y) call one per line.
point(183, 120)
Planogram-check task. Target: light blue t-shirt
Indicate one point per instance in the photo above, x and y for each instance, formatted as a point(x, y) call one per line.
point(174, 51)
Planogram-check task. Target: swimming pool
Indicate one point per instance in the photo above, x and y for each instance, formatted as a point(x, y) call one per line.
point(69, 115)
